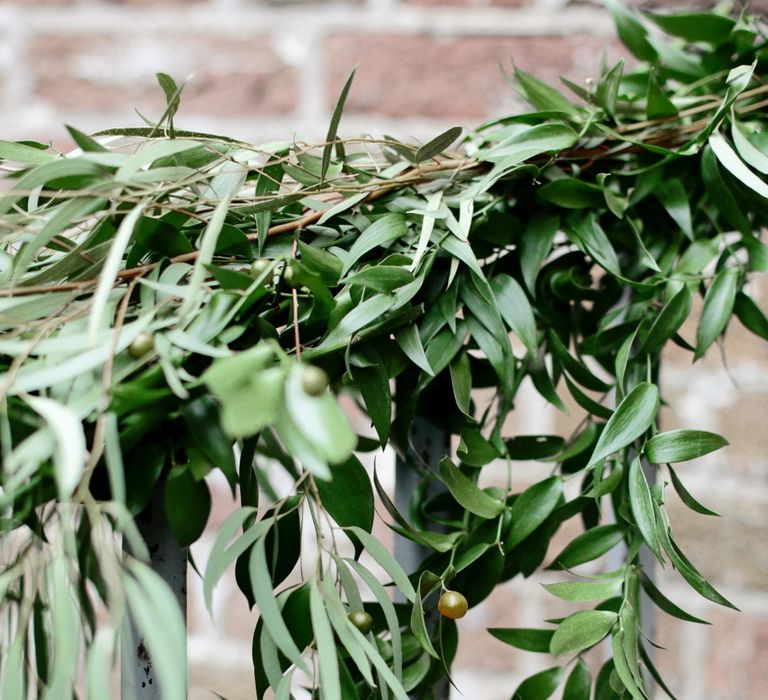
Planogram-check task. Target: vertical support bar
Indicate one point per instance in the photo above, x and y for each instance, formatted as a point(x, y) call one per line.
point(432, 444)
point(138, 680)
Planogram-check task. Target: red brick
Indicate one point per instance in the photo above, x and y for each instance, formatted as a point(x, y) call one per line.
point(99, 73)
point(737, 665)
point(448, 77)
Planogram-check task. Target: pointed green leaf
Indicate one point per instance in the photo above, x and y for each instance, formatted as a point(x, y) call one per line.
point(581, 631)
point(515, 309)
point(686, 497)
point(695, 26)
point(327, 660)
point(718, 305)
point(734, 165)
point(669, 320)
point(467, 493)
point(527, 639)
point(588, 546)
point(333, 127)
point(348, 497)
point(428, 583)
point(381, 232)
point(582, 591)
point(541, 95)
point(263, 593)
point(641, 506)
point(682, 445)
point(531, 508)
point(632, 417)
point(386, 561)
point(663, 603)
point(751, 315)
point(437, 145)
point(674, 198)
point(539, 686)
point(579, 683)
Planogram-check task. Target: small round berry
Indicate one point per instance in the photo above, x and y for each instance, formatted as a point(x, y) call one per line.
point(362, 620)
point(142, 344)
point(452, 605)
point(314, 381)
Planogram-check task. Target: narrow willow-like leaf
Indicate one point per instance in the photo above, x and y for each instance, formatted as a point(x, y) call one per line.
point(579, 683)
point(669, 320)
point(386, 561)
point(663, 603)
point(730, 160)
point(261, 582)
point(633, 416)
point(674, 198)
point(588, 546)
point(641, 506)
point(428, 582)
point(390, 614)
point(467, 493)
point(410, 343)
point(584, 591)
point(581, 631)
point(523, 638)
point(686, 497)
point(718, 305)
point(682, 445)
point(541, 95)
point(539, 686)
point(345, 631)
point(326, 646)
point(751, 315)
point(531, 508)
point(623, 669)
point(688, 571)
point(437, 145)
point(516, 310)
point(110, 270)
point(333, 127)
point(69, 457)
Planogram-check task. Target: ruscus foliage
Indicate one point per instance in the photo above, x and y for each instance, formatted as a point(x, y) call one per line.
point(175, 303)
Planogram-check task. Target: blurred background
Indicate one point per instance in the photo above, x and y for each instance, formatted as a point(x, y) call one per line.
point(262, 70)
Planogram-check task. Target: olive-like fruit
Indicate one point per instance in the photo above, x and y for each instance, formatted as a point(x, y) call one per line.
point(314, 381)
point(259, 267)
point(452, 605)
point(289, 275)
point(362, 620)
point(141, 345)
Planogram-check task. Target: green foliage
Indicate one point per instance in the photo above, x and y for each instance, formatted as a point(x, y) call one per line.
point(166, 295)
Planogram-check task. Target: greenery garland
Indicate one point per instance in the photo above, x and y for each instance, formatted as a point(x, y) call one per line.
point(168, 296)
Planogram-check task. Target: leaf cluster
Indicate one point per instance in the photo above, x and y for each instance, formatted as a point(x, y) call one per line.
point(176, 303)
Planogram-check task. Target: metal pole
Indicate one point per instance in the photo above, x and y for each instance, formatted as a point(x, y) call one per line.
point(138, 680)
point(432, 443)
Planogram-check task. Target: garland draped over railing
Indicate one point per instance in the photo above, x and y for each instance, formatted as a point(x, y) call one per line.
point(169, 296)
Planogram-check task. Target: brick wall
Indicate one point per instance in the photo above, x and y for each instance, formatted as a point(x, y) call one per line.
point(265, 69)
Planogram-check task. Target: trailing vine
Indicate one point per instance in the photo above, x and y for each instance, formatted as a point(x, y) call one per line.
point(175, 303)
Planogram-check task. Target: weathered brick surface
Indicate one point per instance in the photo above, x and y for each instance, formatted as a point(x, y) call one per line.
point(456, 77)
point(264, 68)
point(97, 72)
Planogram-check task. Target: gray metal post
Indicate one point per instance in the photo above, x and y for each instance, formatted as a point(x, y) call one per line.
point(432, 443)
point(138, 680)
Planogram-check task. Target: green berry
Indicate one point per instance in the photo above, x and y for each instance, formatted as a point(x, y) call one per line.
point(314, 381)
point(142, 344)
point(362, 620)
point(259, 267)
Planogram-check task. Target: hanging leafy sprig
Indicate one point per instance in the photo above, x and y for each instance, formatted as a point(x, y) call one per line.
point(170, 296)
